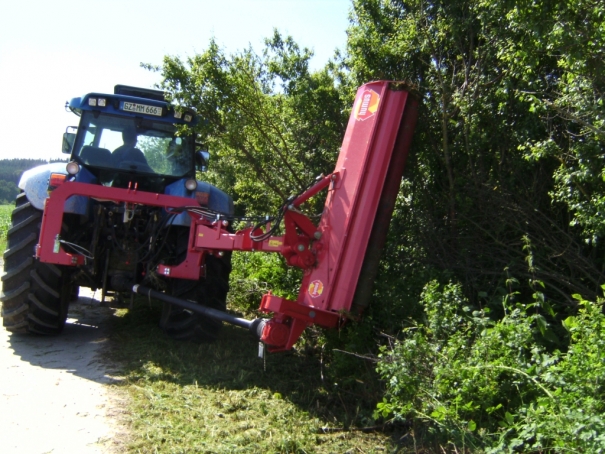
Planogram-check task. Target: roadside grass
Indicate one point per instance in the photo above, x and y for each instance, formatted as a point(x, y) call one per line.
point(221, 398)
point(5, 222)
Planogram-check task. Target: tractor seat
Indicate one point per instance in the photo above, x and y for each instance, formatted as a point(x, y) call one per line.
point(95, 156)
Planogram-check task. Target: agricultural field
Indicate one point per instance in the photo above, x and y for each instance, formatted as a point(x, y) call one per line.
point(5, 220)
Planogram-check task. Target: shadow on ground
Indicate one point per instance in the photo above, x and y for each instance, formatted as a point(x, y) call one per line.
point(77, 349)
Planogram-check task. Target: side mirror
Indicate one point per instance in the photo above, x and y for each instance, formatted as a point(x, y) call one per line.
point(202, 157)
point(69, 137)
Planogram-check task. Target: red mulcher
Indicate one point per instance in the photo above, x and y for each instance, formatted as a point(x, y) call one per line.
point(339, 256)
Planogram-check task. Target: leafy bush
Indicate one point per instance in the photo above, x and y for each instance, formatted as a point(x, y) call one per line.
point(469, 381)
point(255, 274)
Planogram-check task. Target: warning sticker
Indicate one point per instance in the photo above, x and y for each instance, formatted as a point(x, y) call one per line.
point(366, 105)
point(316, 288)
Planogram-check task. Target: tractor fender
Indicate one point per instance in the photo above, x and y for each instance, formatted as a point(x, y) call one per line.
point(208, 195)
point(34, 182)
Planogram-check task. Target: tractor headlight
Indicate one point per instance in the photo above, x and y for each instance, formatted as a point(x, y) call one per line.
point(191, 184)
point(101, 102)
point(72, 167)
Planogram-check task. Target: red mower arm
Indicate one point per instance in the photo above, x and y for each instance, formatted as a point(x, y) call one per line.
point(352, 230)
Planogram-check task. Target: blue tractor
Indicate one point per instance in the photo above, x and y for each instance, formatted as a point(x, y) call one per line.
point(131, 140)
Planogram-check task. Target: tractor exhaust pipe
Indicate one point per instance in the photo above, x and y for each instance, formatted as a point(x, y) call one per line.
point(255, 327)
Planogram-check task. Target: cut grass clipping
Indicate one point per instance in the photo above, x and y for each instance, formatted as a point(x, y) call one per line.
point(221, 398)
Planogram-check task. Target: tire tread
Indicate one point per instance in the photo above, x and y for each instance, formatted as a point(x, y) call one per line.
point(34, 294)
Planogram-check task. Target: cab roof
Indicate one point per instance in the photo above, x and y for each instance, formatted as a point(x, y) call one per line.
point(134, 102)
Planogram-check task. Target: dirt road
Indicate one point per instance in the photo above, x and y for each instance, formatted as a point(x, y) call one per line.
point(53, 390)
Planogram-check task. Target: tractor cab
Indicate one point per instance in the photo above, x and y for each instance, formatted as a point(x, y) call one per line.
point(132, 137)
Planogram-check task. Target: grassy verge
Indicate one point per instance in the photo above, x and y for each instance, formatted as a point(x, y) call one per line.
point(220, 398)
point(5, 221)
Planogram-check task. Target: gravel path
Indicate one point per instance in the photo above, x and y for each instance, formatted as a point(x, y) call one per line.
point(53, 390)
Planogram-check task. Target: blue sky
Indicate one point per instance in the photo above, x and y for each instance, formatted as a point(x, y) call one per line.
point(54, 50)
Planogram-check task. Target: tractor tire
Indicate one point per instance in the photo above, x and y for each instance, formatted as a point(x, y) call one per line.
point(210, 291)
point(35, 295)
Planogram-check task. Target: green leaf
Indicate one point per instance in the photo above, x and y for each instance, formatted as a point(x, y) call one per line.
point(510, 419)
point(570, 323)
point(542, 324)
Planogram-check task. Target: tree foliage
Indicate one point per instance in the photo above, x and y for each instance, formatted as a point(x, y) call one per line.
point(474, 197)
point(568, 97)
point(272, 125)
point(504, 197)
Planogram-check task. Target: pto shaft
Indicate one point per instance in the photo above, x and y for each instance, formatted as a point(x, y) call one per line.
point(255, 326)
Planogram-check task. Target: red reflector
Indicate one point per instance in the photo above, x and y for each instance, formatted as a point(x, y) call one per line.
point(202, 198)
point(56, 179)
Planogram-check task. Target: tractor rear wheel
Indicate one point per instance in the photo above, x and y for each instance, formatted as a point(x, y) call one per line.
point(210, 291)
point(35, 295)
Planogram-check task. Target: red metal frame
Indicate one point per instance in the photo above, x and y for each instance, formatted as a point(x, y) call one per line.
point(361, 192)
point(375, 147)
point(49, 250)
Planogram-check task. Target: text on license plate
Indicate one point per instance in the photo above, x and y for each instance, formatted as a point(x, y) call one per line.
point(142, 108)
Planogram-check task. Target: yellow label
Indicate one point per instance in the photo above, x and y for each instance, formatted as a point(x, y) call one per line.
point(367, 105)
point(275, 243)
point(316, 288)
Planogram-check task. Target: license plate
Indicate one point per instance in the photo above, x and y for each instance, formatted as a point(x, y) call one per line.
point(142, 108)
